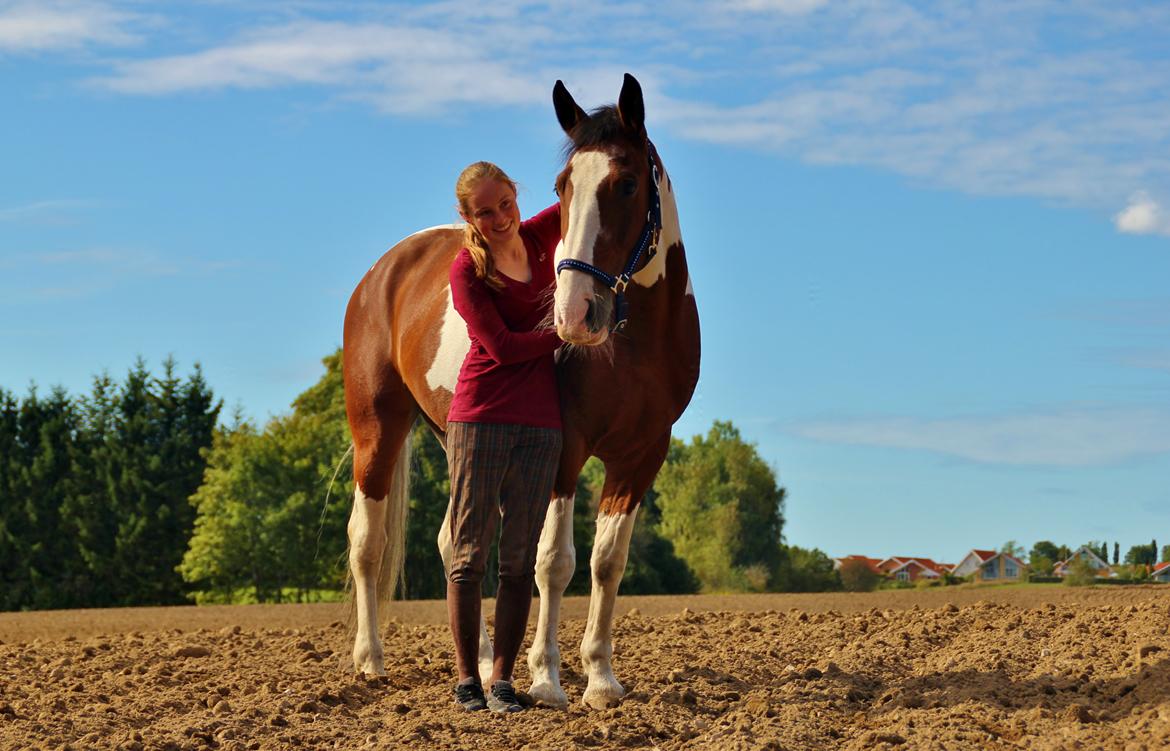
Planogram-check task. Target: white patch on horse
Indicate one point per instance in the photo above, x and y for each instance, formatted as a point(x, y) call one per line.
point(670, 236)
point(589, 169)
point(575, 290)
point(555, 561)
point(453, 345)
point(611, 547)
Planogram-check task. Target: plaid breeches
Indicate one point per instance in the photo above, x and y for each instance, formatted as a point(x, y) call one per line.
point(501, 472)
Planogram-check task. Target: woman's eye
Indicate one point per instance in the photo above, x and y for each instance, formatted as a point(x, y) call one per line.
point(629, 186)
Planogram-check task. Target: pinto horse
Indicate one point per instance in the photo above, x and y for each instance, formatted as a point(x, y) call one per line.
point(630, 372)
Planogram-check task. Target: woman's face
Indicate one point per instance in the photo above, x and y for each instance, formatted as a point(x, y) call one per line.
point(493, 211)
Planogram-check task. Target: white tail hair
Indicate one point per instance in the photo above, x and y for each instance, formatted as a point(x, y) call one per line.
point(392, 576)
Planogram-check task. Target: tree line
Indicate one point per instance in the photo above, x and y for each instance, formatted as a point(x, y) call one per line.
point(133, 495)
point(94, 490)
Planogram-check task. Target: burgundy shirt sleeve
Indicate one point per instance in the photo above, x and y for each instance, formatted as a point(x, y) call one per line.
point(474, 302)
point(546, 228)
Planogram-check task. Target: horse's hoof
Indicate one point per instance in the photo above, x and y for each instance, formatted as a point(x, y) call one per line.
point(603, 697)
point(368, 666)
point(549, 695)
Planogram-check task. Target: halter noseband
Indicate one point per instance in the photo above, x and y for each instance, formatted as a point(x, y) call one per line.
point(647, 243)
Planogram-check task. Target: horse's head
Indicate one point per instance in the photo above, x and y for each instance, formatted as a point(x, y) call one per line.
point(607, 189)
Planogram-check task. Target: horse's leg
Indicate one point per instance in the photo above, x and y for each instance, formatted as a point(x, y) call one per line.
point(446, 550)
point(380, 498)
point(626, 481)
point(556, 559)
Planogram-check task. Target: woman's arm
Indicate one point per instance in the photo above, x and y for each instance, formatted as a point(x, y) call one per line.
point(473, 301)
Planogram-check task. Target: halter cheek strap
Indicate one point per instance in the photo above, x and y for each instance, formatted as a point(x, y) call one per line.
point(647, 243)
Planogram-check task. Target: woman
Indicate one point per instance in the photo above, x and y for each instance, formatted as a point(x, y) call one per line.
point(504, 425)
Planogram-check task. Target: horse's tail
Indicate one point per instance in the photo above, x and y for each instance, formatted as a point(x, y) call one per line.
point(392, 575)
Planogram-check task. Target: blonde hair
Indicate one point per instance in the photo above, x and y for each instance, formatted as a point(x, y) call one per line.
point(476, 243)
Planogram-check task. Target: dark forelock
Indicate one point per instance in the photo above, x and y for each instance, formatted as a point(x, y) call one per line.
point(602, 126)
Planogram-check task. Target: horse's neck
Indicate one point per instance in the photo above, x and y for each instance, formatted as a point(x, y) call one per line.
point(666, 275)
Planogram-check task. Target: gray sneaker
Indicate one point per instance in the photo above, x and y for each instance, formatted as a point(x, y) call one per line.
point(502, 698)
point(469, 695)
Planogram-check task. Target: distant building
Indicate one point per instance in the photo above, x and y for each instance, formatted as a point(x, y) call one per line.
point(1161, 572)
point(1085, 553)
point(988, 566)
point(911, 569)
point(872, 563)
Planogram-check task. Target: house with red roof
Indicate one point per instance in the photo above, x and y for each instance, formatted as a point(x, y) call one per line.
point(989, 566)
point(911, 568)
point(1161, 572)
point(872, 563)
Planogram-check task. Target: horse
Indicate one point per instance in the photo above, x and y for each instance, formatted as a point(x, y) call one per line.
point(626, 373)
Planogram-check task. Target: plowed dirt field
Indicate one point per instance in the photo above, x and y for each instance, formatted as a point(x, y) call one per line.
point(1037, 667)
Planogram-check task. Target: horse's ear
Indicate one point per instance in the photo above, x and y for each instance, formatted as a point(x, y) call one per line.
point(631, 109)
point(568, 113)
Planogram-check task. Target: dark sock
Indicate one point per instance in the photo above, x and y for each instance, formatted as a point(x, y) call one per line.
point(463, 609)
point(513, 601)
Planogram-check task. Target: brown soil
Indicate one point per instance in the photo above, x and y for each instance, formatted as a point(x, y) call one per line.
point(1040, 667)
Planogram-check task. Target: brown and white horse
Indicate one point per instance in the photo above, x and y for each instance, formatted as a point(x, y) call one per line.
point(620, 392)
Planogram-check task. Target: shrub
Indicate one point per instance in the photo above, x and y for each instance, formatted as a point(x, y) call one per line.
point(857, 576)
point(1080, 573)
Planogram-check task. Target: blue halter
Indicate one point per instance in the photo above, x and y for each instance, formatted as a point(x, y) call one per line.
point(647, 243)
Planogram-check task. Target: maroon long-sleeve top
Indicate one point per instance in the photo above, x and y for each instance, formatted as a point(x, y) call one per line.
point(508, 375)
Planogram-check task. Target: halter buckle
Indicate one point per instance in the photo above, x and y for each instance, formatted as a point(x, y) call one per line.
point(619, 283)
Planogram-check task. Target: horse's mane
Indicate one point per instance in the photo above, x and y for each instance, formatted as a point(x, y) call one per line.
point(602, 126)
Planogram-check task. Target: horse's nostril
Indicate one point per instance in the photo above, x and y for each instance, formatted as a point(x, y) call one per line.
point(591, 317)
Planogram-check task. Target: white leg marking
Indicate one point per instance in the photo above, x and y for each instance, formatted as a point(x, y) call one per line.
point(555, 561)
point(446, 551)
point(575, 289)
point(610, 549)
point(367, 541)
point(453, 346)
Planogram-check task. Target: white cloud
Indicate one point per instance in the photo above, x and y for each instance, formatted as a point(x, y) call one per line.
point(46, 25)
point(400, 69)
point(1143, 216)
point(790, 7)
point(1067, 438)
point(973, 97)
point(56, 211)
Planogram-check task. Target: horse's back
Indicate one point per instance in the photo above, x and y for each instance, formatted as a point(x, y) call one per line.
point(393, 325)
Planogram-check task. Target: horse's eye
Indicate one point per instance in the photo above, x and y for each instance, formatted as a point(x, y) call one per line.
point(629, 186)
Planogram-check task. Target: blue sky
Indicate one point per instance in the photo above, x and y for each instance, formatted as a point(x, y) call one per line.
point(930, 242)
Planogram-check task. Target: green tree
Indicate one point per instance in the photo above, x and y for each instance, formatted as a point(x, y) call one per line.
point(807, 570)
point(1142, 555)
point(723, 511)
point(262, 520)
point(1043, 556)
point(1012, 548)
point(95, 490)
point(1080, 573)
